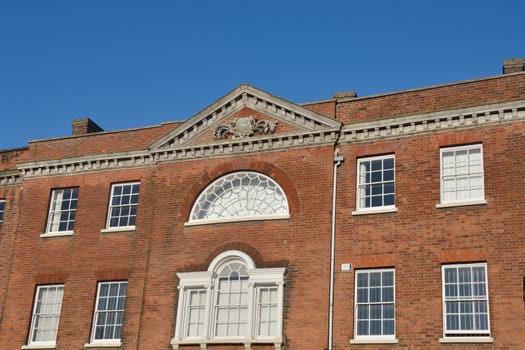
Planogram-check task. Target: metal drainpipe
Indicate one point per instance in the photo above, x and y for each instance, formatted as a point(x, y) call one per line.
point(337, 161)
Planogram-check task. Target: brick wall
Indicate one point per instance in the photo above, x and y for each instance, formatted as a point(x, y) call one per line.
point(418, 238)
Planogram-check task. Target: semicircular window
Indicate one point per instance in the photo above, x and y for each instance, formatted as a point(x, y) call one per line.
point(243, 195)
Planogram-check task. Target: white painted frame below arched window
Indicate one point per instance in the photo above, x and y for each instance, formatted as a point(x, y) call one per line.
point(199, 295)
point(240, 196)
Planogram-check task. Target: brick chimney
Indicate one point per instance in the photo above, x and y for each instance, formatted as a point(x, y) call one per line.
point(513, 65)
point(83, 126)
point(345, 95)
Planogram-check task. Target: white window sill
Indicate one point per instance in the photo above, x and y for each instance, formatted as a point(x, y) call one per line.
point(40, 346)
point(57, 234)
point(106, 344)
point(461, 204)
point(374, 211)
point(277, 342)
point(466, 340)
point(372, 340)
point(236, 219)
point(118, 229)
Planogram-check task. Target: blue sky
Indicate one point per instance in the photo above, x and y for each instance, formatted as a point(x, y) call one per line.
point(129, 64)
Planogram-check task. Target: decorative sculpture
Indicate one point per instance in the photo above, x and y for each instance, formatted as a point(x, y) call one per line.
point(244, 127)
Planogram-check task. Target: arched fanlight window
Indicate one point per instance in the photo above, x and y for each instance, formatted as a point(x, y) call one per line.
point(243, 195)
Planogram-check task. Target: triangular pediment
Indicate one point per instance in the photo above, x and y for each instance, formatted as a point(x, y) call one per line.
point(246, 116)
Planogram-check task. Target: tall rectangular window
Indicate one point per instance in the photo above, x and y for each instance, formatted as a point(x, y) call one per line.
point(62, 210)
point(109, 312)
point(462, 174)
point(2, 209)
point(196, 313)
point(267, 310)
point(232, 303)
point(123, 205)
point(375, 304)
point(376, 183)
point(46, 314)
point(465, 300)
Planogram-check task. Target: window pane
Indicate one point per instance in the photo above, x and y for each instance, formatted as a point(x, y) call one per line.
point(388, 294)
point(388, 311)
point(362, 327)
point(388, 327)
point(388, 163)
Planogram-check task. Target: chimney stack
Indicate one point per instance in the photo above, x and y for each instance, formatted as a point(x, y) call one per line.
point(83, 126)
point(513, 65)
point(345, 95)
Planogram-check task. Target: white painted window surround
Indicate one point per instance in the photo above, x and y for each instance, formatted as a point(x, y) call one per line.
point(466, 311)
point(62, 212)
point(462, 180)
point(374, 306)
point(108, 315)
point(233, 302)
point(46, 315)
point(122, 212)
point(240, 196)
point(375, 184)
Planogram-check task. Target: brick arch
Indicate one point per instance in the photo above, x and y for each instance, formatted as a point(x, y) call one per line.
point(241, 246)
point(268, 169)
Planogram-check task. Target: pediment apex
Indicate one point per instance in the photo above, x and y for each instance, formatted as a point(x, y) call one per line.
point(245, 96)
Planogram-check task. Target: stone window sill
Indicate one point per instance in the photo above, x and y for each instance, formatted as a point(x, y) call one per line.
point(374, 341)
point(461, 204)
point(110, 344)
point(57, 234)
point(124, 229)
point(203, 343)
point(39, 346)
point(466, 340)
point(374, 211)
point(236, 219)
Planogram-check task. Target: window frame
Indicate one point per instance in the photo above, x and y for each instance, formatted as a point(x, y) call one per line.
point(361, 186)
point(96, 312)
point(442, 177)
point(381, 338)
point(34, 316)
point(462, 335)
point(204, 202)
point(111, 206)
point(208, 281)
point(2, 211)
point(51, 214)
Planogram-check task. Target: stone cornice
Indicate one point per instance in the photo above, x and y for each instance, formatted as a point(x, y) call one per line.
point(86, 164)
point(10, 178)
point(433, 122)
point(248, 145)
point(144, 158)
point(368, 131)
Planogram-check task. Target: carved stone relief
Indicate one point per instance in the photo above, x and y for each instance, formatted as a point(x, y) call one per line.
point(244, 127)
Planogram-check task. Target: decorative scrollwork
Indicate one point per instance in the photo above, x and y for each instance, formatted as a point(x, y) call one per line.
point(244, 127)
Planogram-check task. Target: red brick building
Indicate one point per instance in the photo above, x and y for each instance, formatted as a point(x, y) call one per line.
point(376, 222)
